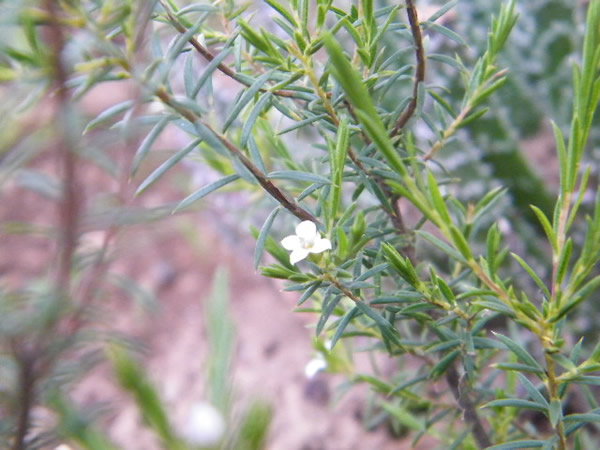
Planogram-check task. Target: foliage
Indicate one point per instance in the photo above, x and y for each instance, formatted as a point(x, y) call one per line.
point(344, 116)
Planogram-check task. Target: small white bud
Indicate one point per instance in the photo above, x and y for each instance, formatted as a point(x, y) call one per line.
point(205, 425)
point(314, 366)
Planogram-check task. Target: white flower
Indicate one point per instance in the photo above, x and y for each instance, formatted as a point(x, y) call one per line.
point(205, 425)
point(314, 366)
point(306, 240)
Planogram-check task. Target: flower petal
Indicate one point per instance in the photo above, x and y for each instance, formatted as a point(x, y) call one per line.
point(298, 254)
point(306, 230)
point(291, 242)
point(321, 245)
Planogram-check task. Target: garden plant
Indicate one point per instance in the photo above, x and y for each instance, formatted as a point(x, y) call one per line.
point(379, 145)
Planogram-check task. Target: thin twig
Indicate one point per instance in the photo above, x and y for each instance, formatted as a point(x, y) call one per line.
point(468, 408)
point(415, 30)
point(209, 56)
point(395, 213)
point(69, 207)
point(26, 397)
point(285, 201)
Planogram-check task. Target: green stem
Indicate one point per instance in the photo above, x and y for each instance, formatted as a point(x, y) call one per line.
point(552, 386)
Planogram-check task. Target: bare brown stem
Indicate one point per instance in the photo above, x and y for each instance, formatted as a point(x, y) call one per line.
point(209, 56)
point(415, 30)
point(286, 201)
point(26, 397)
point(69, 206)
point(468, 408)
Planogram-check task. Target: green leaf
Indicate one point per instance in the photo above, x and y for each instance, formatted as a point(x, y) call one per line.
point(402, 265)
point(437, 200)
point(255, 155)
point(284, 12)
point(516, 445)
point(555, 412)
point(516, 403)
point(440, 245)
point(442, 365)
point(40, 183)
point(262, 102)
point(403, 416)
point(440, 12)
point(326, 311)
point(519, 351)
point(533, 392)
point(472, 117)
point(388, 331)
point(296, 175)
point(253, 37)
point(169, 163)
point(337, 166)
point(576, 298)
point(262, 237)
point(246, 97)
point(585, 417)
point(563, 261)
point(109, 114)
point(133, 379)
point(562, 157)
point(482, 94)
point(182, 41)
point(545, 225)
point(538, 281)
point(449, 61)
point(304, 123)
point(519, 368)
point(146, 144)
point(209, 70)
point(452, 35)
point(460, 242)
point(365, 110)
point(205, 191)
point(343, 323)
point(372, 271)
point(308, 292)
point(406, 384)
point(220, 336)
point(377, 133)
point(283, 273)
point(254, 427)
point(378, 385)
point(188, 74)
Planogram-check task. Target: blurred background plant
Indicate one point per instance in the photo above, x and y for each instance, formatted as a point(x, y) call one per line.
point(395, 144)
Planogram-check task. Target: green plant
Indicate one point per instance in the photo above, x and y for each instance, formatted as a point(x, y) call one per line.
point(412, 270)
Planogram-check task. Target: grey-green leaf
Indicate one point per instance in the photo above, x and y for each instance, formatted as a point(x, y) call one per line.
point(169, 163)
point(246, 97)
point(262, 236)
point(519, 351)
point(205, 191)
point(296, 175)
point(146, 144)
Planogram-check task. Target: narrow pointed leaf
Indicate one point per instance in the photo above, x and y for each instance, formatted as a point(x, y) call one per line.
point(205, 191)
point(519, 351)
point(262, 236)
point(147, 143)
point(164, 167)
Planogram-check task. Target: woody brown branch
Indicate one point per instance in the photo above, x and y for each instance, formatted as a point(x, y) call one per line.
point(209, 56)
point(283, 199)
point(415, 30)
